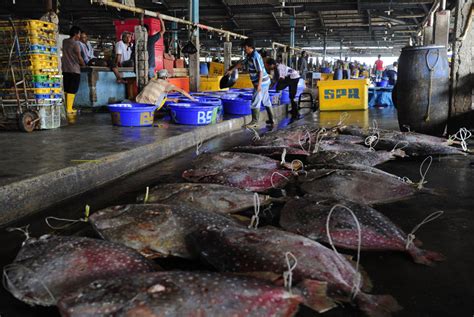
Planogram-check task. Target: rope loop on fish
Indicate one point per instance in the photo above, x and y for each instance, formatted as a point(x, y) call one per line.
point(283, 157)
point(406, 143)
point(69, 222)
point(423, 174)
point(357, 276)
point(147, 194)
point(198, 145)
point(277, 173)
point(463, 135)
point(308, 135)
point(256, 136)
point(342, 118)
point(288, 275)
point(319, 139)
point(254, 222)
point(411, 236)
point(24, 230)
point(372, 140)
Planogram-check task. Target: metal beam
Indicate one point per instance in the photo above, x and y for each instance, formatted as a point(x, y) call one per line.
point(229, 13)
point(276, 20)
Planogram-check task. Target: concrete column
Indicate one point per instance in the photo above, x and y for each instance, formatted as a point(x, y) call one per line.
point(428, 35)
point(174, 30)
point(340, 51)
point(325, 47)
point(462, 68)
point(441, 27)
point(141, 56)
point(194, 77)
point(284, 58)
point(227, 54)
point(292, 30)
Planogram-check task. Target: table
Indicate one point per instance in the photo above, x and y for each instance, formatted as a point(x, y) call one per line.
point(381, 96)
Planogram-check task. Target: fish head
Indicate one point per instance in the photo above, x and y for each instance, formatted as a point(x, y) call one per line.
point(111, 217)
point(195, 175)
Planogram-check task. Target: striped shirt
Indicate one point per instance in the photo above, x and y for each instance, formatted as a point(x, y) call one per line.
point(255, 65)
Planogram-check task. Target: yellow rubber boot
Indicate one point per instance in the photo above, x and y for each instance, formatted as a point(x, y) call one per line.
point(69, 103)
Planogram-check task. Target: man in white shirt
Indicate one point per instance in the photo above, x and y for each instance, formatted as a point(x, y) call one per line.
point(123, 56)
point(285, 76)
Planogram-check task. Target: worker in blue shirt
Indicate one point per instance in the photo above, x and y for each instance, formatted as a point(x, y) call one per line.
point(260, 81)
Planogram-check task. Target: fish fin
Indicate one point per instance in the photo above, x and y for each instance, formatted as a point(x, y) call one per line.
point(378, 305)
point(241, 219)
point(314, 295)
point(425, 257)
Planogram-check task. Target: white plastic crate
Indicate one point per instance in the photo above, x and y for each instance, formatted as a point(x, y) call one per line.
point(50, 117)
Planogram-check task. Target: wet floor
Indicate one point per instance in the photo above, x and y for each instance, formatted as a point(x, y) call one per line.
point(444, 290)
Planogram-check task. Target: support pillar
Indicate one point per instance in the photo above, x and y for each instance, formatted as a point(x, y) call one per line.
point(194, 78)
point(227, 54)
point(292, 30)
point(325, 47)
point(175, 30)
point(441, 27)
point(340, 51)
point(284, 57)
point(462, 68)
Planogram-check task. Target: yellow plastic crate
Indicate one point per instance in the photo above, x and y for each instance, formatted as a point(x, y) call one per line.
point(210, 83)
point(329, 119)
point(216, 69)
point(243, 82)
point(348, 94)
point(40, 58)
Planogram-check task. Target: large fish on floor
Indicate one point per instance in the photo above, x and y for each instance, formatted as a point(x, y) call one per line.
point(154, 230)
point(223, 160)
point(367, 157)
point(246, 250)
point(273, 151)
point(414, 144)
point(49, 267)
point(358, 183)
point(180, 294)
point(297, 137)
point(209, 197)
point(250, 178)
point(307, 216)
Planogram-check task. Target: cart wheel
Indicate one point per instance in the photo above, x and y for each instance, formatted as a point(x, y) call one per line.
point(27, 121)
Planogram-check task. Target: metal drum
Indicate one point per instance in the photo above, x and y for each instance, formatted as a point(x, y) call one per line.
point(423, 89)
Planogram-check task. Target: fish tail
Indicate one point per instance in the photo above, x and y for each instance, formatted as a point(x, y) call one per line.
point(425, 257)
point(378, 305)
point(314, 295)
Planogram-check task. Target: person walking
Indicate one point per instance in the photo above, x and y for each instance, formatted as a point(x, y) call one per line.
point(303, 65)
point(285, 76)
point(260, 80)
point(71, 67)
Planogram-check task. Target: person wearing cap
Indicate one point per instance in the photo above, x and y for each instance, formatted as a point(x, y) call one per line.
point(285, 76)
point(157, 89)
point(260, 80)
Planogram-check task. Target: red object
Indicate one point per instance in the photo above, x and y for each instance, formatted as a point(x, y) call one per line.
point(181, 82)
point(179, 63)
point(379, 64)
point(155, 26)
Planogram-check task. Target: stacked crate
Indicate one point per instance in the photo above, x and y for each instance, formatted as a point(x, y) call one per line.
point(34, 59)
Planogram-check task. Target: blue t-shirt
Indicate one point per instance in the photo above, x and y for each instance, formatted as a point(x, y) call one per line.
point(255, 65)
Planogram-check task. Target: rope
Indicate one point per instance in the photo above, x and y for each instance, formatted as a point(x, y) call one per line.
point(256, 137)
point(399, 142)
point(420, 184)
point(430, 87)
point(23, 230)
point(373, 139)
point(70, 222)
point(283, 157)
point(342, 118)
point(357, 276)
point(147, 193)
point(288, 275)
point(198, 145)
point(307, 152)
point(256, 209)
point(277, 173)
point(411, 236)
point(319, 138)
point(463, 135)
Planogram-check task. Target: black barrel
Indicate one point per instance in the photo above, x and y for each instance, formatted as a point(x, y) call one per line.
point(423, 89)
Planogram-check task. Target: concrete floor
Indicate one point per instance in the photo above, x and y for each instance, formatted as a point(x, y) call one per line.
point(444, 290)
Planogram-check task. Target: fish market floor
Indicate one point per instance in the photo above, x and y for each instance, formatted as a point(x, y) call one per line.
point(443, 290)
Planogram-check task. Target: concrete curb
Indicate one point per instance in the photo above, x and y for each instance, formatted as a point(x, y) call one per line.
point(31, 195)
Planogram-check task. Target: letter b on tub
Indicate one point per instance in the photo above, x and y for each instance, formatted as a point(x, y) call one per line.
point(204, 117)
point(352, 93)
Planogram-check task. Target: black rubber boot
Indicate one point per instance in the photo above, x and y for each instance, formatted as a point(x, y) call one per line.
point(254, 122)
point(294, 111)
point(271, 116)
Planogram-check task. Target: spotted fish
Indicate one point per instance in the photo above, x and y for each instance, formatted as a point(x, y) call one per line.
point(51, 266)
point(180, 294)
point(369, 158)
point(307, 216)
point(209, 197)
point(358, 183)
point(154, 230)
point(236, 160)
point(265, 249)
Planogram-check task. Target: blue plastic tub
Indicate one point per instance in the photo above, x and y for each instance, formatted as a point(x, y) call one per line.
point(210, 101)
point(132, 114)
point(203, 69)
point(193, 113)
point(237, 106)
point(382, 83)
